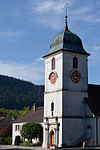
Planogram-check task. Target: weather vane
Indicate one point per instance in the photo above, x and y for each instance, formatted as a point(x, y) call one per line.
point(65, 6)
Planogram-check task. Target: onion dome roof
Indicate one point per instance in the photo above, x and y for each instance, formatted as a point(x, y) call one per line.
point(67, 41)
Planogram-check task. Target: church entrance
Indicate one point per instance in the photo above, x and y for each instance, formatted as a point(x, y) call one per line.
point(52, 138)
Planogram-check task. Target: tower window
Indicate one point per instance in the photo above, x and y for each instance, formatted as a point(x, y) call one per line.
point(53, 64)
point(52, 106)
point(75, 62)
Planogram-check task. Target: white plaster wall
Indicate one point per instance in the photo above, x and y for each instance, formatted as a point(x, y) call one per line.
point(92, 122)
point(58, 69)
point(55, 97)
point(15, 133)
point(67, 96)
point(73, 130)
point(60, 133)
point(73, 103)
point(88, 111)
point(68, 69)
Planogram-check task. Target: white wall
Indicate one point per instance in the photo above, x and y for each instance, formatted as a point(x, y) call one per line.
point(58, 69)
point(68, 97)
point(68, 69)
point(73, 130)
point(16, 132)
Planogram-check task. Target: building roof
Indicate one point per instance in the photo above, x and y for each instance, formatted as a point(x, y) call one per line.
point(36, 116)
point(66, 41)
point(93, 100)
point(5, 122)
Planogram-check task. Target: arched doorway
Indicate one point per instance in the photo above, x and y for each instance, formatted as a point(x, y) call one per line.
point(52, 138)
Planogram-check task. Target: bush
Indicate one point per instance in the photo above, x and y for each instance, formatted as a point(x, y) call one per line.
point(5, 141)
point(31, 130)
point(8, 140)
point(17, 140)
point(2, 140)
point(31, 144)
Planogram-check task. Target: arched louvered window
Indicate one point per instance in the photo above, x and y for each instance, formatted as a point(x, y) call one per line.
point(75, 62)
point(52, 106)
point(53, 63)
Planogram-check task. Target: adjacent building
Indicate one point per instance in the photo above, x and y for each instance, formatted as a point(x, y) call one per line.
point(36, 115)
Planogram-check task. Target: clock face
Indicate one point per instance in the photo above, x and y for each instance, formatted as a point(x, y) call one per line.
point(75, 76)
point(53, 78)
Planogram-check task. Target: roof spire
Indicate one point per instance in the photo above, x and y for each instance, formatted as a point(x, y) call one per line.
point(66, 25)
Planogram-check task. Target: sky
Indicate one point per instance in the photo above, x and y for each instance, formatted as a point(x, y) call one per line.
point(27, 28)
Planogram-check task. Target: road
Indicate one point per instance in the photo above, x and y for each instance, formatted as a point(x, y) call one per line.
point(10, 147)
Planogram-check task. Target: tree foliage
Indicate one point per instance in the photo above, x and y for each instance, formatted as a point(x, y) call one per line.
point(15, 93)
point(31, 130)
point(15, 114)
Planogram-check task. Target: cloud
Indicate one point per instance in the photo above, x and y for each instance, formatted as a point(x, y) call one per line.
point(33, 72)
point(51, 22)
point(49, 12)
point(80, 12)
point(49, 6)
point(40, 59)
point(11, 33)
point(94, 59)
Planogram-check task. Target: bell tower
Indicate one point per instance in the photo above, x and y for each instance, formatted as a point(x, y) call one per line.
point(66, 85)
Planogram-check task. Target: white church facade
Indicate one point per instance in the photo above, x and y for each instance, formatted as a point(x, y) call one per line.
point(69, 116)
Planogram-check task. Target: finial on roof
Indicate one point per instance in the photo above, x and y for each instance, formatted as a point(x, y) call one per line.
point(66, 25)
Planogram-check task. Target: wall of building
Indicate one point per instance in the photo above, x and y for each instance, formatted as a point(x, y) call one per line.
point(16, 127)
point(91, 125)
point(56, 98)
point(68, 69)
point(98, 130)
point(73, 103)
point(49, 87)
point(73, 131)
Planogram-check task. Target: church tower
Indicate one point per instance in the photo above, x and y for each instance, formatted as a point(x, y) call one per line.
point(66, 86)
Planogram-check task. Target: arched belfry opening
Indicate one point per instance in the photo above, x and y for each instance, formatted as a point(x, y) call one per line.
point(75, 62)
point(53, 64)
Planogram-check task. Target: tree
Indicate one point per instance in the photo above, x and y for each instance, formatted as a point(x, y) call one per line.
point(31, 130)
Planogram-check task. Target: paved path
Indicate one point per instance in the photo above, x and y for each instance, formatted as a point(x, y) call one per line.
point(10, 147)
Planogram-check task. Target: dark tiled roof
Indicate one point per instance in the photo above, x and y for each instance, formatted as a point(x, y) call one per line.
point(5, 122)
point(66, 41)
point(93, 100)
point(32, 116)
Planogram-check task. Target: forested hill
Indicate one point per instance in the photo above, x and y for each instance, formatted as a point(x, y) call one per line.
point(17, 94)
